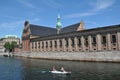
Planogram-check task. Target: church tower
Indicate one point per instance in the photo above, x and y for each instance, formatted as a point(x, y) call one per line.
point(58, 25)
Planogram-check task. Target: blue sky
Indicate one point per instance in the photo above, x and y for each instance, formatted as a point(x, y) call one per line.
point(95, 13)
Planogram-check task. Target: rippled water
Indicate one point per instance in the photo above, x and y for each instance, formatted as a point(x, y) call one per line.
point(37, 69)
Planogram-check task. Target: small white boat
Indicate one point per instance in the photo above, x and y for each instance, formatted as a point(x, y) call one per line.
point(60, 72)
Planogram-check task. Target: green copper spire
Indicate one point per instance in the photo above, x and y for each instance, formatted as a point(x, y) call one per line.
point(59, 25)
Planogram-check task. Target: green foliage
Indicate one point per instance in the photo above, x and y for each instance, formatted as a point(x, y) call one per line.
point(7, 46)
point(13, 45)
point(10, 46)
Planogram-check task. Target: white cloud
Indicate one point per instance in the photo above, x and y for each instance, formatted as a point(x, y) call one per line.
point(10, 25)
point(76, 15)
point(11, 17)
point(91, 22)
point(97, 7)
point(13, 25)
point(26, 3)
point(33, 20)
point(103, 4)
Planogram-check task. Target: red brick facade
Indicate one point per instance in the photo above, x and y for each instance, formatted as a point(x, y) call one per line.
point(26, 38)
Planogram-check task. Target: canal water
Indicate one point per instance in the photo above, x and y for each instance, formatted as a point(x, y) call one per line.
point(38, 69)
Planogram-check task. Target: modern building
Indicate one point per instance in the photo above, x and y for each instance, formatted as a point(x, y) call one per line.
point(8, 38)
point(70, 38)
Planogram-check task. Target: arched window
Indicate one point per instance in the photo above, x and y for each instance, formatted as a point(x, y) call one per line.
point(104, 39)
point(66, 39)
point(42, 44)
point(93, 40)
point(55, 43)
point(39, 45)
point(60, 43)
point(79, 42)
point(113, 38)
point(46, 44)
point(35, 44)
point(50, 43)
point(86, 41)
point(73, 43)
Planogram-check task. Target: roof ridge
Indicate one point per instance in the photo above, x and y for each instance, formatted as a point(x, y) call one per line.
point(109, 26)
point(41, 26)
point(71, 25)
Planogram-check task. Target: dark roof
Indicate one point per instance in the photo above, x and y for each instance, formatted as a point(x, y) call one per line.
point(94, 31)
point(70, 28)
point(41, 30)
point(46, 31)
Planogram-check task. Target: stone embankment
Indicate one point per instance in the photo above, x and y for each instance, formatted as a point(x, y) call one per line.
point(1, 54)
point(108, 56)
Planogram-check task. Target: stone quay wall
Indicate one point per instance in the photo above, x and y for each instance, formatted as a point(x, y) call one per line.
point(108, 56)
point(4, 53)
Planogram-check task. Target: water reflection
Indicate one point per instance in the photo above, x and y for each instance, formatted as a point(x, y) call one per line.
point(37, 69)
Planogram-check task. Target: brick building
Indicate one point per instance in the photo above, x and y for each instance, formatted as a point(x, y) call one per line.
point(70, 38)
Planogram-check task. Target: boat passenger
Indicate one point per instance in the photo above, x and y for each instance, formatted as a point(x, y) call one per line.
point(62, 69)
point(54, 69)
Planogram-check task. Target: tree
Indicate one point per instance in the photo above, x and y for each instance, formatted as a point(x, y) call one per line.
point(10, 46)
point(7, 46)
point(13, 45)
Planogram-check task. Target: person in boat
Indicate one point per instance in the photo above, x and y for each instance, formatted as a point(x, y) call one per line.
point(62, 69)
point(54, 69)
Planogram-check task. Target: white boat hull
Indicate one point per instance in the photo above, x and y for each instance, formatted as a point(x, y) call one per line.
point(59, 72)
